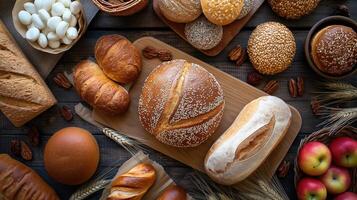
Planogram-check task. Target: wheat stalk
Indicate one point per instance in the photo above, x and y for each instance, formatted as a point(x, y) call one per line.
point(89, 189)
point(336, 92)
point(127, 143)
point(338, 118)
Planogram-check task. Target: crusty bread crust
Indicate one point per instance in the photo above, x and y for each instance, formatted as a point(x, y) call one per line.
point(180, 11)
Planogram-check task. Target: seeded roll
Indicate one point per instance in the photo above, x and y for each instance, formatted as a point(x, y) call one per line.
point(203, 34)
point(293, 9)
point(222, 12)
point(181, 104)
point(180, 11)
point(334, 50)
point(247, 7)
point(271, 48)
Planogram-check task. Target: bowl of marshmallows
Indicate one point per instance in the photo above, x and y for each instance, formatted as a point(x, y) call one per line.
point(51, 26)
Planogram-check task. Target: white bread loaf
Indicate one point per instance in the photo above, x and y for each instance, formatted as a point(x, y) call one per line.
point(245, 145)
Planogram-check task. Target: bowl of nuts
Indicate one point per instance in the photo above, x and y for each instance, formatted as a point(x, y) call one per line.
point(48, 25)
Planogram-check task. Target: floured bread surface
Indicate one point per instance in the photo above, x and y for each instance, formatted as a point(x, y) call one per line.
point(258, 128)
point(181, 104)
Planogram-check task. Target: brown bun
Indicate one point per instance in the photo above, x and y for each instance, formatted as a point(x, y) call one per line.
point(271, 48)
point(293, 9)
point(334, 50)
point(98, 90)
point(180, 11)
point(173, 193)
point(222, 12)
point(181, 104)
point(71, 156)
point(118, 58)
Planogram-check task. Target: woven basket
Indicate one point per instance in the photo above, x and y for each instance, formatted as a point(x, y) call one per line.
point(325, 136)
point(120, 7)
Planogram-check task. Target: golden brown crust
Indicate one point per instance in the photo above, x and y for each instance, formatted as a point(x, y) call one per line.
point(23, 93)
point(99, 91)
point(222, 12)
point(181, 104)
point(334, 50)
point(133, 184)
point(19, 182)
point(271, 48)
point(293, 9)
point(180, 11)
point(173, 192)
point(118, 58)
point(69, 146)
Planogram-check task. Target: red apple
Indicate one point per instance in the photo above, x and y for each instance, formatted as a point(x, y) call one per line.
point(336, 180)
point(347, 196)
point(344, 151)
point(311, 189)
point(314, 158)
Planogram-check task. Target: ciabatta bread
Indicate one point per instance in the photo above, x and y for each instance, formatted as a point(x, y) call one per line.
point(259, 127)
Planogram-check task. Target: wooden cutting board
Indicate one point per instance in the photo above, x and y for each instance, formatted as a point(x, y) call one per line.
point(229, 31)
point(236, 93)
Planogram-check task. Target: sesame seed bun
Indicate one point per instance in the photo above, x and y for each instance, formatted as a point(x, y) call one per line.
point(181, 104)
point(222, 12)
point(203, 34)
point(293, 9)
point(334, 50)
point(271, 48)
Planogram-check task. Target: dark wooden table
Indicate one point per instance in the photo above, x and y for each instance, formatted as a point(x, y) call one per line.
point(147, 24)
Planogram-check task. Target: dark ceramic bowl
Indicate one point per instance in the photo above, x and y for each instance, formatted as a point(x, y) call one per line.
point(332, 20)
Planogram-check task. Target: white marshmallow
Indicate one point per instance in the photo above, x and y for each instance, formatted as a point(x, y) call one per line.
point(30, 7)
point(54, 44)
point(72, 33)
point(66, 3)
point(73, 21)
point(53, 22)
point(61, 29)
point(44, 15)
point(36, 20)
point(24, 17)
point(42, 40)
point(66, 40)
point(52, 36)
point(32, 34)
point(57, 9)
point(75, 7)
point(67, 15)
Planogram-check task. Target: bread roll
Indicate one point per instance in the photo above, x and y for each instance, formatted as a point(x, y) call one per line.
point(293, 9)
point(245, 145)
point(173, 192)
point(19, 182)
point(271, 48)
point(98, 90)
point(222, 12)
point(118, 58)
point(181, 104)
point(247, 7)
point(71, 156)
point(133, 184)
point(180, 11)
point(23, 93)
point(334, 50)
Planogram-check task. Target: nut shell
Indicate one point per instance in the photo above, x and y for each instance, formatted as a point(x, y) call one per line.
point(271, 48)
point(293, 9)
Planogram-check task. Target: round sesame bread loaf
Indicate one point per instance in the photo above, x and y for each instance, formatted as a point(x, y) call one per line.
point(271, 48)
point(181, 104)
point(334, 50)
point(293, 9)
point(180, 11)
point(222, 12)
point(202, 34)
point(247, 7)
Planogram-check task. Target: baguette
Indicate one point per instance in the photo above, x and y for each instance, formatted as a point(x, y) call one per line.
point(134, 184)
point(256, 131)
point(19, 182)
point(23, 93)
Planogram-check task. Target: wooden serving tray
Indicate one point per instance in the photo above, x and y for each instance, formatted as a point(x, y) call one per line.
point(229, 31)
point(236, 93)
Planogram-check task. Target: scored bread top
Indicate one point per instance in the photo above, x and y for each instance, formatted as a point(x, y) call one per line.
point(181, 103)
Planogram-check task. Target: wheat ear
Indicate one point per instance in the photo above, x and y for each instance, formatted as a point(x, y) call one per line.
point(89, 189)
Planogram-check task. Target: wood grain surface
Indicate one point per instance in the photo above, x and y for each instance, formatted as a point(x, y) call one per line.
point(146, 23)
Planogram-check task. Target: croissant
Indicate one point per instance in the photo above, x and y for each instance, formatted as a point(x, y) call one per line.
point(98, 90)
point(134, 184)
point(19, 182)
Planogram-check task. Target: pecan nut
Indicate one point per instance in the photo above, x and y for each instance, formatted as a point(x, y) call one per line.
point(253, 78)
point(61, 80)
point(164, 55)
point(150, 52)
point(238, 55)
point(271, 87)
point(26, 152)
point(283, 169)
point(292, 88)
point(343, 10)
point(15, 147)
point(66, 113)
point(34, 136)
point(315, 106)
point(300, 86)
